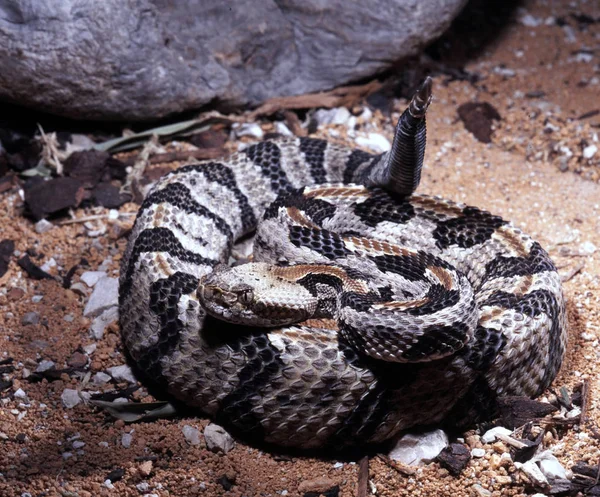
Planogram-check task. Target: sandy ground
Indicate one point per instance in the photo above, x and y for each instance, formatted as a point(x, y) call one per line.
point(537, 178)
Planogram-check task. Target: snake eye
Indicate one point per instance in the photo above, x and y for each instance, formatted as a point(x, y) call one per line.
point(246, 296)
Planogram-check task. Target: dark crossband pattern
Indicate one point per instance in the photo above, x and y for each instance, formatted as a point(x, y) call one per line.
point(423, 310)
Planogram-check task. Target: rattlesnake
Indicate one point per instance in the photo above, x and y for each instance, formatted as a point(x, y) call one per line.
point(419, 309)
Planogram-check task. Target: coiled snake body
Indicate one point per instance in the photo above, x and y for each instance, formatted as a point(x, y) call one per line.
point(368, 310)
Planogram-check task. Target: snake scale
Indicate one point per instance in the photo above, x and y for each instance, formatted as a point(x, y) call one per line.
point(367, 309)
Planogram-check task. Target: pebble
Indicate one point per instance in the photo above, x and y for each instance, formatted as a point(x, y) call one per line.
point(70, 398)
point(101, 378)
point(48, 265)
point(339, 115)
point(90, 278)
point(44, 365)
point(43, 226)
point(490, 436)
point(80, 289)
point(419, 449)
point(104, 296)
point(77, 360)
point(108, 484)
point(588, 248)
point(78, 444)
point(90, 349)
point(142, 487)
point(217, 439)
point(374, 142)
point(30, 318)
point(67, 455)
point(318, 485)
point(103, 444)
point(68, 318)
point(282, 129)
point(533, 472)
point(122, 373)
point(590, 151)
point(103, 321)
point(145, 468)
point(480, 491)
point(191, 434)
point(37, 299)
point(248, 129)
point(550, 466)
point(126, 439)
point(338, 465)
point(20, 394)
point(478, 452)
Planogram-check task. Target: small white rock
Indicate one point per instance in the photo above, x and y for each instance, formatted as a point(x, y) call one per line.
point(103, 321)
point(126, 440)
point(419, 449)
point(67, 455)
point(143, 486)
point(374, 142)
point(533, 472)
point(248, 129)
point(100, 378)
point(43, 226)
point(122, 373)
point(103, 444)
point(48, 265)
point(20, 394)
point(90, 278)
point(90, 349)
point(480, 491)
point(590, 151)
point(37, 298)
point(70, 398)
point(108, 484)
point(217, 439)
point(44, 365)
point(338, 465)
point(113, 215)
point(191, 434)
point(78, 444)
point(550, 466)
point(588, 248)
point(104, 296)
point(339, 115)
point(477, 452)
point(282, 129)
point(490, 436)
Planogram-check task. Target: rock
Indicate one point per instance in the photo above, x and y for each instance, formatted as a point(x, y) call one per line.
point(101, 378)
point(77, 360)
point(78, 444)
point(248, 129)
point(454, 458)
point(145, 468)
point(550, 466)
point(20, 394)
point(533, 472)
point(478, 118)
point(339, 115)
point(50, 197)
point(43, 226)
point(590, 151)
point(30, 318)
point(480, 491)
point(126, 440)
point(108, 195)
point(192, 54)
point(104, 296)
point(317, 485)
point(122, 373)
point(374, 142)
point(37, 299)
point(490, 436)
point(191, 434)
point(44, 365)
point(419, 449)
point(70, 398)
point(217, 439)
point(478, 452)
point(99, 324)
point(90, 278)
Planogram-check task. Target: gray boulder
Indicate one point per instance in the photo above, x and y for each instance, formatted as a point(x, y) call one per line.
point(144, 59)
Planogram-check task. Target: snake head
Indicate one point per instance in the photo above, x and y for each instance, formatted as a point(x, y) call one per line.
point(250, 294)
